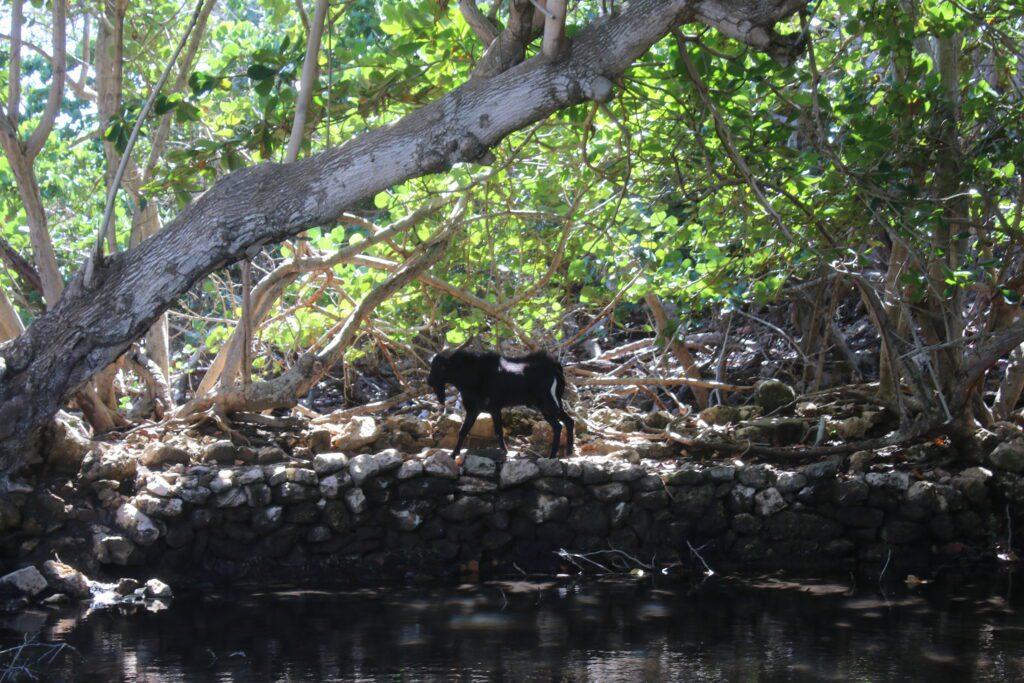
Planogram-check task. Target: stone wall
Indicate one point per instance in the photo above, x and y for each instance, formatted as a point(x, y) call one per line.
point(398, 515)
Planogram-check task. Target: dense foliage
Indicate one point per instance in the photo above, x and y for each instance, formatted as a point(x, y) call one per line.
point(714, 178)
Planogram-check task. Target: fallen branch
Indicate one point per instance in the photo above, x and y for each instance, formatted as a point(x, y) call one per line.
point(661, 382)
point(795, 453)
point(376, 407)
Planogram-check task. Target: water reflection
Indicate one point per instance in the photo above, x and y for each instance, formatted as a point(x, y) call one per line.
point(767, 629)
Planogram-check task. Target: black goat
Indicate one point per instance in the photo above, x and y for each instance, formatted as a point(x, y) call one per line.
point(489, 382)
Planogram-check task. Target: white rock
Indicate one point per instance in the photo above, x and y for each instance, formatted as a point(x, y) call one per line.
point(329, 463)
point(362, 467)
point(410, 469)
point(478, 466)
point(441, 465)
point(357, 432)
point(137, 524)
point(388, 460)
point(158, 507)
point(250, 475)
point(518, 471)
point(225, 479)
point(768, 502)
point(356, 500)
point(159, 486)
point(155, 588)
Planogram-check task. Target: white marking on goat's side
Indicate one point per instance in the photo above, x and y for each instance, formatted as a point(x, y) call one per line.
point(509, 366)
point(554, 385)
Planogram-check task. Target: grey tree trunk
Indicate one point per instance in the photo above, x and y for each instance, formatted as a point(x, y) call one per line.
point(89, 328)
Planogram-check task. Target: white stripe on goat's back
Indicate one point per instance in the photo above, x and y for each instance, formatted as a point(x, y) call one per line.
point(554, 386)
point(509, 366)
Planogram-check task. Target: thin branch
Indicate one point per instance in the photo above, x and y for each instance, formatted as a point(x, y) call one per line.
point(310, 73)
point(14, 72)
point(554, 28)
point(483, 27)
point(108, 211)
point(20, 265)
point(660, 382)
point(38, 137)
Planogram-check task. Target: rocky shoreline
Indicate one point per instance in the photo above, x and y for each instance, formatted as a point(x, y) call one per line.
point(183, 510)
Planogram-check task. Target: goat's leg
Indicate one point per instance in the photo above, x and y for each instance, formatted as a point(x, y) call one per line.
point(550, 413)
point(569, 429)
point(498, 429)
point(467, 424)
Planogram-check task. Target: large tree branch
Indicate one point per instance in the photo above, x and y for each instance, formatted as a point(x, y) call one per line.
point(90, 327)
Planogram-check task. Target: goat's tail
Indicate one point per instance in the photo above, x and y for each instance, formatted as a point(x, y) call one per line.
point(559, 383)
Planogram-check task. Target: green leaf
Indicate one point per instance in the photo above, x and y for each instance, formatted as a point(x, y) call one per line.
point(201, 82)
point(260, 72)
point(165, 104)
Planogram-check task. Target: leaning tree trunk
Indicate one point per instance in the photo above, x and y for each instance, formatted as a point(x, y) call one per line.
point(91, 326)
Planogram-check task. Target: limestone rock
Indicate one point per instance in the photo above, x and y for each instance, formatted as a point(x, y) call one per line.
point(768, 502)
point(479, 466)
point(155, 588)
point(1008, 456)
point(249, 475)
point(222, 451)
point(973, 484)
point(115, 464)
point(861, 460)
point(611, 492)
point(280, 474)
point(466, 508)
point(65, 443)
point(516, 472)
point(410, 469)
point(158, 507)
point(27, 581)
point(159, 453)
point(66, 579)
point(899, 481)
point(357, 432)
point(112, 548)
point(319, 440)
point(441, 465)
point(356, 500)
point(329, 463)
point(721, 415)
point(772, 395)
point(544, 507)
point(362, 467)
point(137, 524)
point(388, 460)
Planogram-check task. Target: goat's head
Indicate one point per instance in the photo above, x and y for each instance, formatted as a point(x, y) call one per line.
point(438, 375)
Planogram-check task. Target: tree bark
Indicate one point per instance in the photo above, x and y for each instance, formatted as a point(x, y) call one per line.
point(90, 328)
point(10, 324)
point(310, 74)
point(679, 349)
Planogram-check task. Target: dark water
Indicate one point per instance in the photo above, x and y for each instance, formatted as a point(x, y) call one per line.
point(764, 629)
